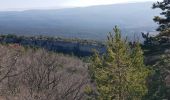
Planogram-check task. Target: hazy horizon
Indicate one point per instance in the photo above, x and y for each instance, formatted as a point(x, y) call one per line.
point(19, 5)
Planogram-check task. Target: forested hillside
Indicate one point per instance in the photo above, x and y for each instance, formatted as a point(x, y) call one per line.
point(69, 54)
point(87, 23)
point(29, 74)
point(77, 47)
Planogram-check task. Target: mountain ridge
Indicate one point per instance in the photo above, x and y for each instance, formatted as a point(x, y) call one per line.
point(85, 22)
point(62, 8)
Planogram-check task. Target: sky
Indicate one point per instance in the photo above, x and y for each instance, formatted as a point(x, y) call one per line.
point(56, 4)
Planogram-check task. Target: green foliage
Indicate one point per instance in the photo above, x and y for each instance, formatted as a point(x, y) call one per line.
point(163, 20)
point(159, 89)
point(120, 73)
point(138, 74)
point(88, 90)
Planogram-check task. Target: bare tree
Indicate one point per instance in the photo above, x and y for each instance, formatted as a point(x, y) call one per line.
point(40, 75)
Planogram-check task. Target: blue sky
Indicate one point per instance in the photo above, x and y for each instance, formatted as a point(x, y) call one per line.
point(50, 4)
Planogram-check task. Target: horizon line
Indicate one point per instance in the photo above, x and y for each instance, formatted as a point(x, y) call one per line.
point(70, 7)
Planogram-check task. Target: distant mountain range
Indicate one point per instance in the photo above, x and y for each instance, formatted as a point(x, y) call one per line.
point(88, 22)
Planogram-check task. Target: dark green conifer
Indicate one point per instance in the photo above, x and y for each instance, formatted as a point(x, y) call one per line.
point(164, 19)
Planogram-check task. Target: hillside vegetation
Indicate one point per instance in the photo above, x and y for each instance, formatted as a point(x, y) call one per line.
point(29, 74)
point(77, 47)
point(32, 68)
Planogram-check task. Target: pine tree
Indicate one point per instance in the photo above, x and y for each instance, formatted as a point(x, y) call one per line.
point(138, 73)
point(164, 19)
point(159, 88)
point(120, 73)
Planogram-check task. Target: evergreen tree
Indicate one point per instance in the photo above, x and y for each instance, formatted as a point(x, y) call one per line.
point(164, 19)
point(120, 73)
point(159, 89)
point(138, 74)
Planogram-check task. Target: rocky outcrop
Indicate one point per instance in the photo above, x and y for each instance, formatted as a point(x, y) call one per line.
point(77, 47)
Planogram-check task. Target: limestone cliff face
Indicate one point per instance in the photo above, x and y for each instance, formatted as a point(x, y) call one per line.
point(76, 47)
